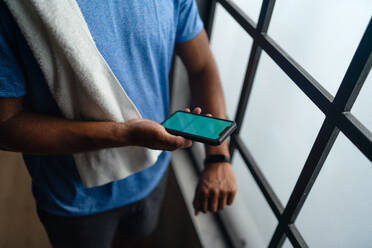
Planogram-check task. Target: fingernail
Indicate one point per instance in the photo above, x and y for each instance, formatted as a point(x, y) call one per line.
point(186, 144)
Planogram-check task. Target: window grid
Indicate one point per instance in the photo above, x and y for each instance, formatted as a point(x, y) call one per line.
point(336, 109)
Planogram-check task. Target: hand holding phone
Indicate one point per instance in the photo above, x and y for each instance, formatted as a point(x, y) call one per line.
point(148, 133)
point(205, 129)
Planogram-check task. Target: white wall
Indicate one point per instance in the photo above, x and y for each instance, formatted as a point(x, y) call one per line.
point(281, 123)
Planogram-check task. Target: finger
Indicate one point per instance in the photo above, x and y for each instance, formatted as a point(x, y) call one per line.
point(197, 210)
point(197, 207)
point(204, 202)
point(188, 143)
point(197, 110)
point(172, 142)
point(210, 115)
point(230, 198)
point(222, 201)
point(187, 110)
point(214, 201)
point(196, 202)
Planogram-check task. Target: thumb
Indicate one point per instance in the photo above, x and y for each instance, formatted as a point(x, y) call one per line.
point(176, 141)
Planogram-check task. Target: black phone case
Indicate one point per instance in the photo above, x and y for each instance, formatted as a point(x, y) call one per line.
point(214, 142)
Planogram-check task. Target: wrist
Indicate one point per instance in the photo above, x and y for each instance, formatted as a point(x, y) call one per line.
point(221, 149)
point(216, 159)
point(121, 134)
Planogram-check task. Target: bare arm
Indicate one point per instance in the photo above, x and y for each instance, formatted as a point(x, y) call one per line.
point(217, 181)
point(29, 132)
point(205, 83)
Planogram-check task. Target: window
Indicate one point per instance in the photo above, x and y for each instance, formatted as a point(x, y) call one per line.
point(291, 89)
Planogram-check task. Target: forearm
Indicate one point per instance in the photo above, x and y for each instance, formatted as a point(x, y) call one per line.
point(205, 85)
point(207, 93)
point(39, 134)
point(217, 184)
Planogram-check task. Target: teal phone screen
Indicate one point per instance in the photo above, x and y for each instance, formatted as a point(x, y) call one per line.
point(196, 124)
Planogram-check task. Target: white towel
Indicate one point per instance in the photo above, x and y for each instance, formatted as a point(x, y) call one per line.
point(81, 83)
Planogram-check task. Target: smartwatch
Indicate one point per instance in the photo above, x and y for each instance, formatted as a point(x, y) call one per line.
point(216, 158)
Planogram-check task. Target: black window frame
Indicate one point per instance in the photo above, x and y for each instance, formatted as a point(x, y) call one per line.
point(335, 108)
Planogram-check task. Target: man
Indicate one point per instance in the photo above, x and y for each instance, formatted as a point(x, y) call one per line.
point(137, 39)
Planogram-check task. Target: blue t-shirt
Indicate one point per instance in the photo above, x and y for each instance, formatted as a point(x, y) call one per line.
point(137, 39)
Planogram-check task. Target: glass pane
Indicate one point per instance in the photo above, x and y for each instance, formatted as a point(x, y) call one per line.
point(287, 244)
point(337, 212)
point(250, 7)
point(231, 46)
point(362, 107)
point(250, 219)
point(321, 35)
point(280, 126)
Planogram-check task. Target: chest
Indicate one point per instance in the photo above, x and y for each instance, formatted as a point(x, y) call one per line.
point(131, 22)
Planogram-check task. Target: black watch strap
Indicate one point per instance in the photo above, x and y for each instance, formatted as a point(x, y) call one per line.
point(216, 158)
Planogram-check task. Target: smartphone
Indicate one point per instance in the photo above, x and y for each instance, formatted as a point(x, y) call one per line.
point(205, 129)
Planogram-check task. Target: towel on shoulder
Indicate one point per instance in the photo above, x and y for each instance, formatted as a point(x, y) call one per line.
point(81, 83)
